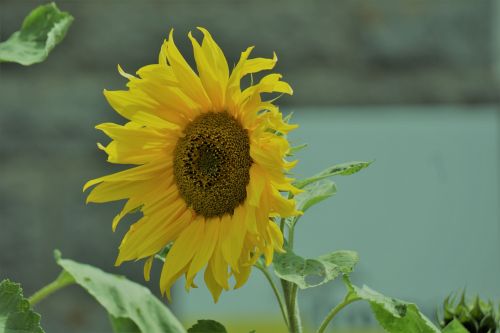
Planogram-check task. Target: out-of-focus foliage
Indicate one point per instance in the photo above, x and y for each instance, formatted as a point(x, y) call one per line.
point(42, 30)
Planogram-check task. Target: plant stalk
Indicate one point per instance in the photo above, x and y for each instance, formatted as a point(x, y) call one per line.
point(277, 293)
point(64, 279)
point(347, 300)
point(293, 308)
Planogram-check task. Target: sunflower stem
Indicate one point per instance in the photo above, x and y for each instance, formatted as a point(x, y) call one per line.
point(293, 309)
point(349, 298)
point(64, 279)
point(278, 295)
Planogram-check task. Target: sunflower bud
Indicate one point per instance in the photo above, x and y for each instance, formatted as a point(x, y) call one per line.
point(476, 316)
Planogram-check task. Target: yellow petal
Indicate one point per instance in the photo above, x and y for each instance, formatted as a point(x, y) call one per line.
point(201, 258)
point(219, 267)
point(147, 267)
point(181, 254)
point(214, 79)
point(242, 275)
point(152, 233)
point(138, 108)
point(255, 186)
point(189, 82)
point(276, 236)
point(233, 92)
point(258, 64)
point(234, 233)
point(213, 286)
point(142, 172)
point(284, 207)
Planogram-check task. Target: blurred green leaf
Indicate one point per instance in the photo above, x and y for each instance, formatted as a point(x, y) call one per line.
point(308, 273)
point(123, 325)
point(314, 193)
point(123, 299)
point(455, 327)
point(16, 314)
point(394, 315)
point(344, 169)
point(207, 326)
point(41, 31)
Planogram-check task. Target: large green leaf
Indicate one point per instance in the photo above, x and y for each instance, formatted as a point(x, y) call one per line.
point(455, 327)
point(207, 326)
point(16, 315)
point(41, 31)
point(307, 273)
point(123, 299)
point(343, 169)
point(394, 315)
point(314, 193)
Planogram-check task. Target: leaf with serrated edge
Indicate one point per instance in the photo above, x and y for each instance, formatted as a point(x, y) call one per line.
point(455, 327)
point(207, 326)
point(16, 314)
point(123, 298)
point(344, 169)
point(41, 31)
point(394, 315)
point(315, 193)
point(308, 273)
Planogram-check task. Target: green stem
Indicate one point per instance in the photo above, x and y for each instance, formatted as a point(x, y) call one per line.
point(349, 298)
point(278, 295)
point(293, 309)
point(291, 232)
point(62, 281)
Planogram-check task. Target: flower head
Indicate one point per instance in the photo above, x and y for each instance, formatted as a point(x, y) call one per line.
point(210, 165)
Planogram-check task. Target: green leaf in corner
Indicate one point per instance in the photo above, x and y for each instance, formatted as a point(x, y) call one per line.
point(207, 326)
point(16, 314)
point(41, 31)
point(308, 273)
point(124, 300)
point(455, 327)
point(393, 315)
point(314, 193)
point(344, 169)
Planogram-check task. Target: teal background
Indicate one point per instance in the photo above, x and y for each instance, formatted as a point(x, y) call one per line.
point(424, 216)
point(412, 85)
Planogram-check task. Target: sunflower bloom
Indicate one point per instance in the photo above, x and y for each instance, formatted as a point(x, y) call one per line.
point(209, 168)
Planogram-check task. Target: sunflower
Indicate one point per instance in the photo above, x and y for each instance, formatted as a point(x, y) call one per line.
point(209, 169)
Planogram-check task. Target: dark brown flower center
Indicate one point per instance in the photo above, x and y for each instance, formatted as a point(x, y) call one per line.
point(212, 164)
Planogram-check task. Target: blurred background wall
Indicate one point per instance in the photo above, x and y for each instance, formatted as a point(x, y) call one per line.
point(412, 84)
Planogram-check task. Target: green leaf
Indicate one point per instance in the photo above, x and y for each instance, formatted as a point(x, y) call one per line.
point(455, 327)
point(123, 325)
point(122, 298)
point(394, 315)
point(308, 273)
point(41, 31)
point(207, 326)
point(16, 314)
point(314, 193)
point(344, 169)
